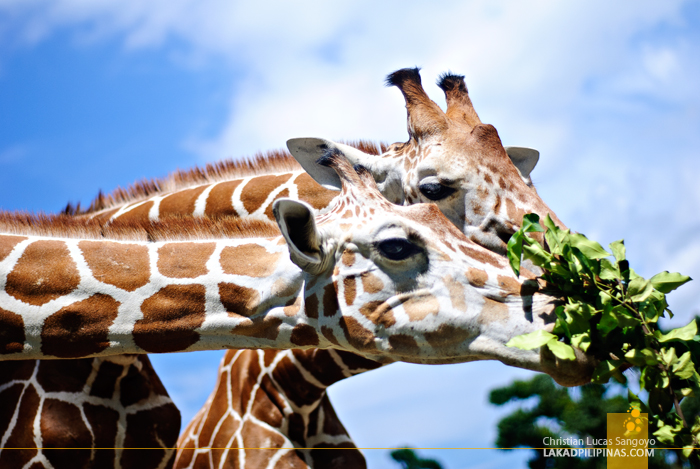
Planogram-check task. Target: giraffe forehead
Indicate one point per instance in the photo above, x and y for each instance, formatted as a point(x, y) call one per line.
point(357, 210)
point(452, 168)
point(430, 222)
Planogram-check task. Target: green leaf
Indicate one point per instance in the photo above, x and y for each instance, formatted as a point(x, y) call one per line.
point(532, 340)
point(624, 317)
point(589, 266)
point(518, 241)
point(536, 254)
point(561, 350)
point(605, 370)
point(590, 249)
point(668, 355)
point(608, 322)
point(576, 316)
point(551, 226)
point(531, 222)
point(695, 379)
point(582, 341)
point(666, 434)
point(659, 300)
point(605, 298)
point(650, 356)
point(687, 332)
point(641, 357)
point(514, 251)
point(666, 281)
point(635, 401)
point(573, 262)
point(639, 289)
point(696, 425)
point(651, 311)
point(554, 235)
point(609, 271)
point(561, 329)
point(684, 367)
point(618, 250)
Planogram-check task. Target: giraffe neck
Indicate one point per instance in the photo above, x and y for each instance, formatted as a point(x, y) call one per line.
point(246, 189)
point(249, 197)
point(192, 295)
point(98, 406)
point(279, 397)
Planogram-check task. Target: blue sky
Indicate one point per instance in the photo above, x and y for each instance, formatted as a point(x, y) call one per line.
point(95, 95)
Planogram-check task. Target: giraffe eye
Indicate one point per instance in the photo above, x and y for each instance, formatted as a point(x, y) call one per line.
point(435, 190)
point(397, 249)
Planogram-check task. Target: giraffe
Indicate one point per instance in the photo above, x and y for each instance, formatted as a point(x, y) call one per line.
point(64, 388)
point(451, 159)
point(303, 289)
point(95, 406)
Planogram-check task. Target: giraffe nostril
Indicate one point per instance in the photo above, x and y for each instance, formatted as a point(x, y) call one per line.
point(504, 234)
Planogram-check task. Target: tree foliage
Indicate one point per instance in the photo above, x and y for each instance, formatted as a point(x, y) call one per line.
point(611, 312)
point(556, 414)
point(410, 460)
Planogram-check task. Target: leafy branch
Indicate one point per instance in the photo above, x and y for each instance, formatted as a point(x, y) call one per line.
point(612, 313)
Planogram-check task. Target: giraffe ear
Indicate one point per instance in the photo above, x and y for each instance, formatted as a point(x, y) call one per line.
point(524, 159)
point(307, 151)
point(298, 226)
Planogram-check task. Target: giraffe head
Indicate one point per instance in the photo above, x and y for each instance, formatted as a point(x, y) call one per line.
point(450, 159)
point(410, 286)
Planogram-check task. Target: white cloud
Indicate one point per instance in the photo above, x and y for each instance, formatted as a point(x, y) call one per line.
point(525, 61)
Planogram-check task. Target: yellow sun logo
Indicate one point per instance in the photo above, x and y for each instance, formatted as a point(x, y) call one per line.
point(634, 421)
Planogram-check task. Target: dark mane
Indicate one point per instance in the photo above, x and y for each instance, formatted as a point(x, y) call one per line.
point(171, 229)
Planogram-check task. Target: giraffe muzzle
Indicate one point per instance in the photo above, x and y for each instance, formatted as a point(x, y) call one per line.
point(568, 372)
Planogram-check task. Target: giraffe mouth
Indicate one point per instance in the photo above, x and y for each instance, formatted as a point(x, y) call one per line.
point(504, 232)
point(494, 234)
point(568, 372)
